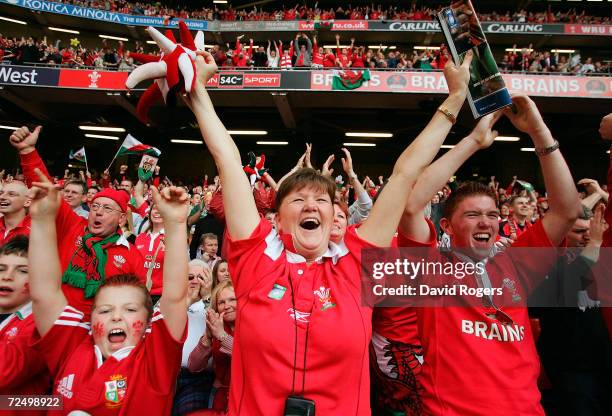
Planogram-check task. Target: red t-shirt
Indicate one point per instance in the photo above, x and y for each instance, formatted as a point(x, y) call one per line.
point(474, 364)
point(148, 243)
point(317, 56)
point(136, 380)
point(22, 368)
point(358, 61)
point(329, 60)
point(508, 227)
point(327, 301)
point(400, 323)
point(344, 60)
point(22, 229)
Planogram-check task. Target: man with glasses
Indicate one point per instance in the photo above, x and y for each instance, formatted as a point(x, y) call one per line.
point(74, 195)
point(90, 249)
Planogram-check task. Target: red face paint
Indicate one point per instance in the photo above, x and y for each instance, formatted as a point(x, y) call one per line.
point(98, 330)
point(138, 327)
point(26, 288)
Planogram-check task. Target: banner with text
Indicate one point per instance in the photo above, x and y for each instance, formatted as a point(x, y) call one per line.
point(434, 82)
point(381, 81)
point(104, 15)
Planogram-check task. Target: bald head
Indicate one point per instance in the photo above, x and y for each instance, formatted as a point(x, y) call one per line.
point(13, 198)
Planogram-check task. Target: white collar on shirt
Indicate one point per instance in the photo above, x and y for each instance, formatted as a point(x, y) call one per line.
point(123, 242)
point(275, 247)
point(21, 314)
point(117, 355)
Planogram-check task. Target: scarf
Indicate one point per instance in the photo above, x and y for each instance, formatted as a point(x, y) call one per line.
point(87, 267)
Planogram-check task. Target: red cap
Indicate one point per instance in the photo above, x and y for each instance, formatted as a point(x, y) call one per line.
point(120, 197)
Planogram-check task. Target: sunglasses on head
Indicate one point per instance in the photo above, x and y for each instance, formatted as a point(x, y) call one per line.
point(493, 312)
point(199, 276)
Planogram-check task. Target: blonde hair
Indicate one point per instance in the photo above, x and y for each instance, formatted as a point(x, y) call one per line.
point(227, 284)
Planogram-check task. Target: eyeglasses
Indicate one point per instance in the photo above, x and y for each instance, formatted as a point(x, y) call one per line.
point(107, 209)
point(199, 276)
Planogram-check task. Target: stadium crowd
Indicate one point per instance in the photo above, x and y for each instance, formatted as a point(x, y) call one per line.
point(241, 294)
point(303, 51)
point(313, 12)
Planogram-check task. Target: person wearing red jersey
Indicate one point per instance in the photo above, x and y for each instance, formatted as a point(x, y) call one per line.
point(343, 56)
point(518, 222)
point(240, 59)
point(151, 246)
point(358, 58)
point(22, 368)
point(90, 249)
point(329, 59)
point(129, 362)
point(318, 54)
point(13, 203)
point(290, 14)
point(482, 360)
point(298, 294)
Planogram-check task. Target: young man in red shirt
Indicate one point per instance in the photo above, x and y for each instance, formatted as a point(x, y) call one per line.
point(298, 295)
point(518, 222)
point(22, 368)
point(481, 359)
point(90, 249)
point(318, 54)
point(128, 363)
point(13, 203)
point(344, 55)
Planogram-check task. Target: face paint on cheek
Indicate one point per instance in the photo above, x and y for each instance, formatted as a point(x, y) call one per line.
point(138, 327)
point(98, 330)
point(26, 289)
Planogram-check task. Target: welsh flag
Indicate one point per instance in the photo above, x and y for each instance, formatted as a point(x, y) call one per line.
point(349, 80)
point(131, 146)
point(323, 24)
point(78, 155)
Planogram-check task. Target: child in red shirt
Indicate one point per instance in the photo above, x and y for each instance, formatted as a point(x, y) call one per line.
point(22, 368)
point(129, 363)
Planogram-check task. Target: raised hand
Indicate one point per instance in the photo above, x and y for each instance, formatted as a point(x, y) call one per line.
point(25, 140)
point(172, 203)
point(347, 163)
point(300, 162)
point(483, 134)
point(325, 170)
point(214, 322)
point(307, 162)
point(206, 67)
point(525, 116)
point(598, 226)
point(591, 185)
point(457, 77)
point(45, 197)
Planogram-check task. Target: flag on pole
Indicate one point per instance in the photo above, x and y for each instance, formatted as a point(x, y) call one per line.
point(78, 155)
point(349, 80)
point(131, 146)
point(526, 185)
